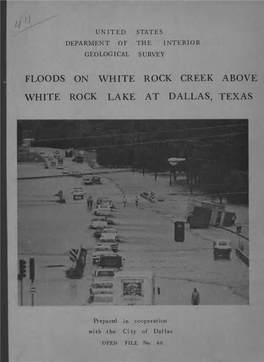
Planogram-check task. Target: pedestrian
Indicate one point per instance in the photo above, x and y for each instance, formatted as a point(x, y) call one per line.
point(91, 202)
point(91, 297)
point(195, 297)
point(124, 200)
point(136, 201)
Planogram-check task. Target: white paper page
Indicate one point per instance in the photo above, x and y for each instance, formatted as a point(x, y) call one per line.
point(83, 64)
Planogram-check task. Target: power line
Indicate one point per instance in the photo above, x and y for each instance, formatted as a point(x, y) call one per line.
point(139, 133)
point(162, 141)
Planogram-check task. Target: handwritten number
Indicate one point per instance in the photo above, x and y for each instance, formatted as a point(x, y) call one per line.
point(27, 19)
point(18, 24)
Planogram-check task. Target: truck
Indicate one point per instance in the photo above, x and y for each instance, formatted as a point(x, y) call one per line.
point(134, 288)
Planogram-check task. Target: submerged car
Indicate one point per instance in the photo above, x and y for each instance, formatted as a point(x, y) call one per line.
point(103, 210)
point(101, 292)
point(106, 274)
point(100, 250)
point(96, 180)
point(76, 174)
point(98, 224)
point(222, 249)
point(103, 218)
point(78, 193)
point(105, 201)
point(102, 287)
point(109, 234)
point(87, 180)
point(113, 245)
point(111, 260)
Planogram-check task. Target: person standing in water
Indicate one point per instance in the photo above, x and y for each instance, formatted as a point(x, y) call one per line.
point(124, 200)
point(195, 297)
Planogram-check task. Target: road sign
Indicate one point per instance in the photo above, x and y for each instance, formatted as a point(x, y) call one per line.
point(74, 254)
point(32, 288)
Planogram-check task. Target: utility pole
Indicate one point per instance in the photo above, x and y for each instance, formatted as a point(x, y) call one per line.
point(133, 155)
point(143, 157)
point(191, 172)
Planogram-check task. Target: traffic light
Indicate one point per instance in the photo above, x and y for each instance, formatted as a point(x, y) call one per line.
point(179, 231)
point(22, 268)
point(32, 269)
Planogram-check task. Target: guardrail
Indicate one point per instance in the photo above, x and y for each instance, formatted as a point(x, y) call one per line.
point(90, 173)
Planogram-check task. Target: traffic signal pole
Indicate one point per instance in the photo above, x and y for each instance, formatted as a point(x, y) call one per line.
point(22, 274)
point(32, 276)
point(21, 291)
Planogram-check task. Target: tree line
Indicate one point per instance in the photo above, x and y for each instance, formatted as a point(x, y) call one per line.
point(215, 151)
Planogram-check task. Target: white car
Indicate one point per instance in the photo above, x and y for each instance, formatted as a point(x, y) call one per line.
point(78, 193)
point(104, 273)
point(105, 201)
point(113, 245)
point(102, 210)
point(102, 287)
point(101, 292)
point(100, 250)
point(109, 234)
point(98, 224)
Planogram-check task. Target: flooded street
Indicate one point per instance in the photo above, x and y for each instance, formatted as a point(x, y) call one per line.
point(48, 230)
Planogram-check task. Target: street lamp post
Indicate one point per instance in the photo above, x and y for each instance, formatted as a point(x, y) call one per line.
point(173, 161)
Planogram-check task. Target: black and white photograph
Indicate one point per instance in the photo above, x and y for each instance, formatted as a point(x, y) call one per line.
point(133, 212)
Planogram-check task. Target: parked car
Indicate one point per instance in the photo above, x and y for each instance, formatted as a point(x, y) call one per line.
point(76, 174)
point(102, 287)
point(102, 210)
point(100, 250)
point(111, 260)
point(78, 193)
point(101, 292)
point(98, 224)
point(79, 159)
point(103, 218)
point(105, 201)
point(97, 180)
point(87, 180)
point(109, 234)
point(222, 249)
point(113, 245)
point(103, 273)
point(99, 231)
